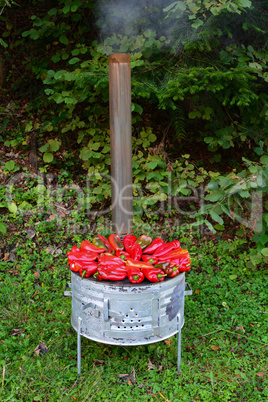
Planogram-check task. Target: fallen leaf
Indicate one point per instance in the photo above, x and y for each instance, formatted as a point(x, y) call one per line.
point(30, 233)
point(260, 374)
point(241, 328)
point(2, 340)
point(16, 331)
point(35, 293)
point(160, 368)
point(12, 257)
point(6, 255)
point(37, 275)
point(51, 218)
point(197, 291)
point(41, 349)
point(99, 362)
point(150, 365)
point(129, 378)
point(214, 347)
point(168, 341)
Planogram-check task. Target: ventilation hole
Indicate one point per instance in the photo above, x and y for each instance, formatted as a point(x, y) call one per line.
point(123, 320)
point(126, 315)
point(131, 309)
point(125, 327)
point(131, 320)
point(139, 320)
point(131, 327)
point(118, 327)
point(142, 325)
point(137, 326)
point(136, 315)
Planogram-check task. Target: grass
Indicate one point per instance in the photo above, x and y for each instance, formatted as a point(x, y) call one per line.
point(224, 340)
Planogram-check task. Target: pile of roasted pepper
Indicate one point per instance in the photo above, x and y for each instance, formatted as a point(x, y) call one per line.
point(135, 258)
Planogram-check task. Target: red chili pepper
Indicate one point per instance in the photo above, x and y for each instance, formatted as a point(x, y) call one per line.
point(128, 242)
point(111, 275)
point(157, 242)
point(106, 243)
point(174, 254)
point(136, 252)
point(154, 275)
point(135, 275)
point(124, 255)
point(88, 270)
point(86, 245)
point(144, 241)
point(166, 248)
point(149, 258)
point(81, 256)
point(115, 242)
point(138, 264)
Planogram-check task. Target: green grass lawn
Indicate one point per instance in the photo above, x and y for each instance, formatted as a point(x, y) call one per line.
point(224, 339)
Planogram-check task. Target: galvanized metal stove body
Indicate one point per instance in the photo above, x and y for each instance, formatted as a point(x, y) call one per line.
point(120, 313)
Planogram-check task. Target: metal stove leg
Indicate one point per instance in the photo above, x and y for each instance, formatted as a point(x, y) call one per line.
point(179, 351)
point(79, 345)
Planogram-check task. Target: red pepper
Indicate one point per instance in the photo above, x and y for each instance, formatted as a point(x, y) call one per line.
point(128, 242)
point(81, 256)
point(74, 266)
point(183, 262)
point(154, 246)
point(75, 249)
point(136, 252)
point(110, 261)
point(135, 275)
point(166, 248)
point(138, 264)
point(106, 243)
point(88, 270)
point(149, 258)
point(124, 255)
point(169, 268)
point(111, 275)
point(115, 242)
point(154, 275)
point(87, 246)
point(174, 254)
point(144, 241)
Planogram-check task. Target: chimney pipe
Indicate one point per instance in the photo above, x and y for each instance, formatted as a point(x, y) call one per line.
point(121, 142)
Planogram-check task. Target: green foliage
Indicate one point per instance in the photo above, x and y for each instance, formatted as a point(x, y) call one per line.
point(51, 146)
point(201, 66)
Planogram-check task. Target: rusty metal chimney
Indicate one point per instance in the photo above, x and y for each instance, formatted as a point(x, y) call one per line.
point(121, 142)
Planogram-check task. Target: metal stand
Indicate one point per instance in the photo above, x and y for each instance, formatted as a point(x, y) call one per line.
point(79, 346)
point(179, 351)
point(81, 332)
